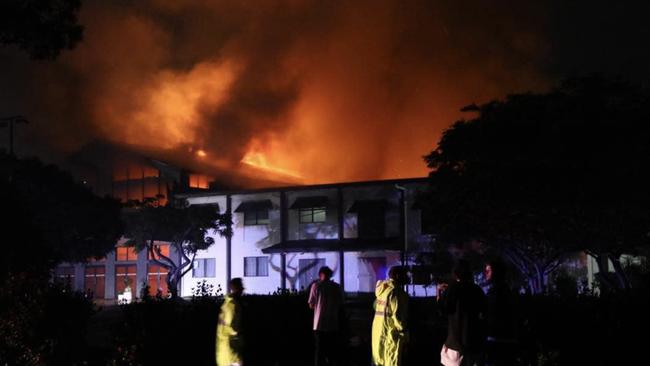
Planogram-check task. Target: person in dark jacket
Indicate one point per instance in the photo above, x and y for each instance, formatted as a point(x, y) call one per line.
point(500, 318)
point(464, 304)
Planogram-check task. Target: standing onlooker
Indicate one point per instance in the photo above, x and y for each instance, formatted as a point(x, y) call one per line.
point(464, 304)
point(229, 338)
point(501, 317)
point(389, 333)
point(326, 298)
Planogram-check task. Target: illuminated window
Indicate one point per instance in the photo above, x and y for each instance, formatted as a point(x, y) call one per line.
point(94, 281)
point(157, 279)
point(164, 250)
point(258, 217)
point(125, 277)
point(314, 214)
point(126, 254)
point(199, 181)
point(65, 276)
point(203, 268)
point(256, 266)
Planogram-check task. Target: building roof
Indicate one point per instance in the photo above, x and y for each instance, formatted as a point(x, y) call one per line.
point(305, 187)
point(334, 245)
point(310, 202)
point(249, 206)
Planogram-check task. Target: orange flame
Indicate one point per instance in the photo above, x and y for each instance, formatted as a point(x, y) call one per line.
point(258, 160)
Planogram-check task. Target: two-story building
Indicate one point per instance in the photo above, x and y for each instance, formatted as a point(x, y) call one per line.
point(281, 237)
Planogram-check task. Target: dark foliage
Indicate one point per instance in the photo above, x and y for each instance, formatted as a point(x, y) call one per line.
point(40, 27)
point(48, 218)
point(539, 175)
point(42, 323)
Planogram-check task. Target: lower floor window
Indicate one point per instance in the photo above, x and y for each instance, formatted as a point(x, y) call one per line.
point(94, 281)
point(256, 266)
point(125, 279)
point(203, 267)
point(65, 276)
point(157, 280)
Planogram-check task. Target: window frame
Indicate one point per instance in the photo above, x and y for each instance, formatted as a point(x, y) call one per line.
point(257, 260)
point(203, 268)
point(259, 217)
point(310, 213)
point(129, 251)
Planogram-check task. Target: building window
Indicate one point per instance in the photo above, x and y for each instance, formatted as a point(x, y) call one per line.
point(164, 250)
point(203, 267)
point(94, 281)
point(125, 278)
point(313, 214)
point(258, 217)
point(65, 276)
point(308, 271)
point(157, 280)
point(125, 254)
point(256, 266)
point(199, 181)
point(371, 224)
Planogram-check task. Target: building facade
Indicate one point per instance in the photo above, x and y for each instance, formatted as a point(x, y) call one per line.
point(281, 237)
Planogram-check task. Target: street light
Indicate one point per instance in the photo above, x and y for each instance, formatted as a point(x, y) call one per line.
point(402, 190)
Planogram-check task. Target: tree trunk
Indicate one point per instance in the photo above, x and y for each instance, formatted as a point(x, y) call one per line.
point(611, 282)
point(623, 280)
point(172, 282)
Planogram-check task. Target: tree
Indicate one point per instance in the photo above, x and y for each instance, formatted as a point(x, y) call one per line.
point(188, 229)
point(539, 175)
point(50, 218)
point(41, 27)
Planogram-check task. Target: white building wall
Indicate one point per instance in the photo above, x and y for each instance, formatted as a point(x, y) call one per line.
point(248, 241)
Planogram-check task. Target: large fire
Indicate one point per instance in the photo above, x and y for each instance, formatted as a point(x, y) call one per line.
point(304, 91)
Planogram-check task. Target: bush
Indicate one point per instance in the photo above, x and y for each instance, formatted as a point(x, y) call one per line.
point(42, 323)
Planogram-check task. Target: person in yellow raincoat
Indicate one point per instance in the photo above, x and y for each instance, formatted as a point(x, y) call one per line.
point(389, 333)
point(229, 338)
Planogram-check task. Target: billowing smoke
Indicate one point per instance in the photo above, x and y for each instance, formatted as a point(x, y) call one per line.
point(324, 90)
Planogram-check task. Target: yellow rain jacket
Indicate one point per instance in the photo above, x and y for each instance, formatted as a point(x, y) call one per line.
point(229, 339)
point(389, 324)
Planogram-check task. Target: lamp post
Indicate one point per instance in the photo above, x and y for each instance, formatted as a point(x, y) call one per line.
point(11, 121)
point(402, 191)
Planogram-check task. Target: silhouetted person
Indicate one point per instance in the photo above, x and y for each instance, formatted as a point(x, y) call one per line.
point(229, 330)
point(464, 304)
point(500, 318)
point(389, 334)
point(326, 299)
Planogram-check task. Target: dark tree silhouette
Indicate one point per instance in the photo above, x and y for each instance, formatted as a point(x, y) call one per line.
point(538, 175)
point(186, 228)
point(40, 27)
point(50, 218)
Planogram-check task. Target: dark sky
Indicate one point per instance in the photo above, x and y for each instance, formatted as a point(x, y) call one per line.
point(327, 90)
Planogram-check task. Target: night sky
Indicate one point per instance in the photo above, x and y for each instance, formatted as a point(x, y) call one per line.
point(325, 90)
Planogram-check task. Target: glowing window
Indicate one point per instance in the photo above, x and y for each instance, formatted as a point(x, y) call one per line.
point(164, 250)
point(126, 254)
point(157, 280)
point(256, 266)
point(125, 277)
point(94, 281)
point(314, 214)
point(199, 181)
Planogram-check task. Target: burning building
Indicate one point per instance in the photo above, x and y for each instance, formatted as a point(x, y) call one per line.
point(281, 237)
